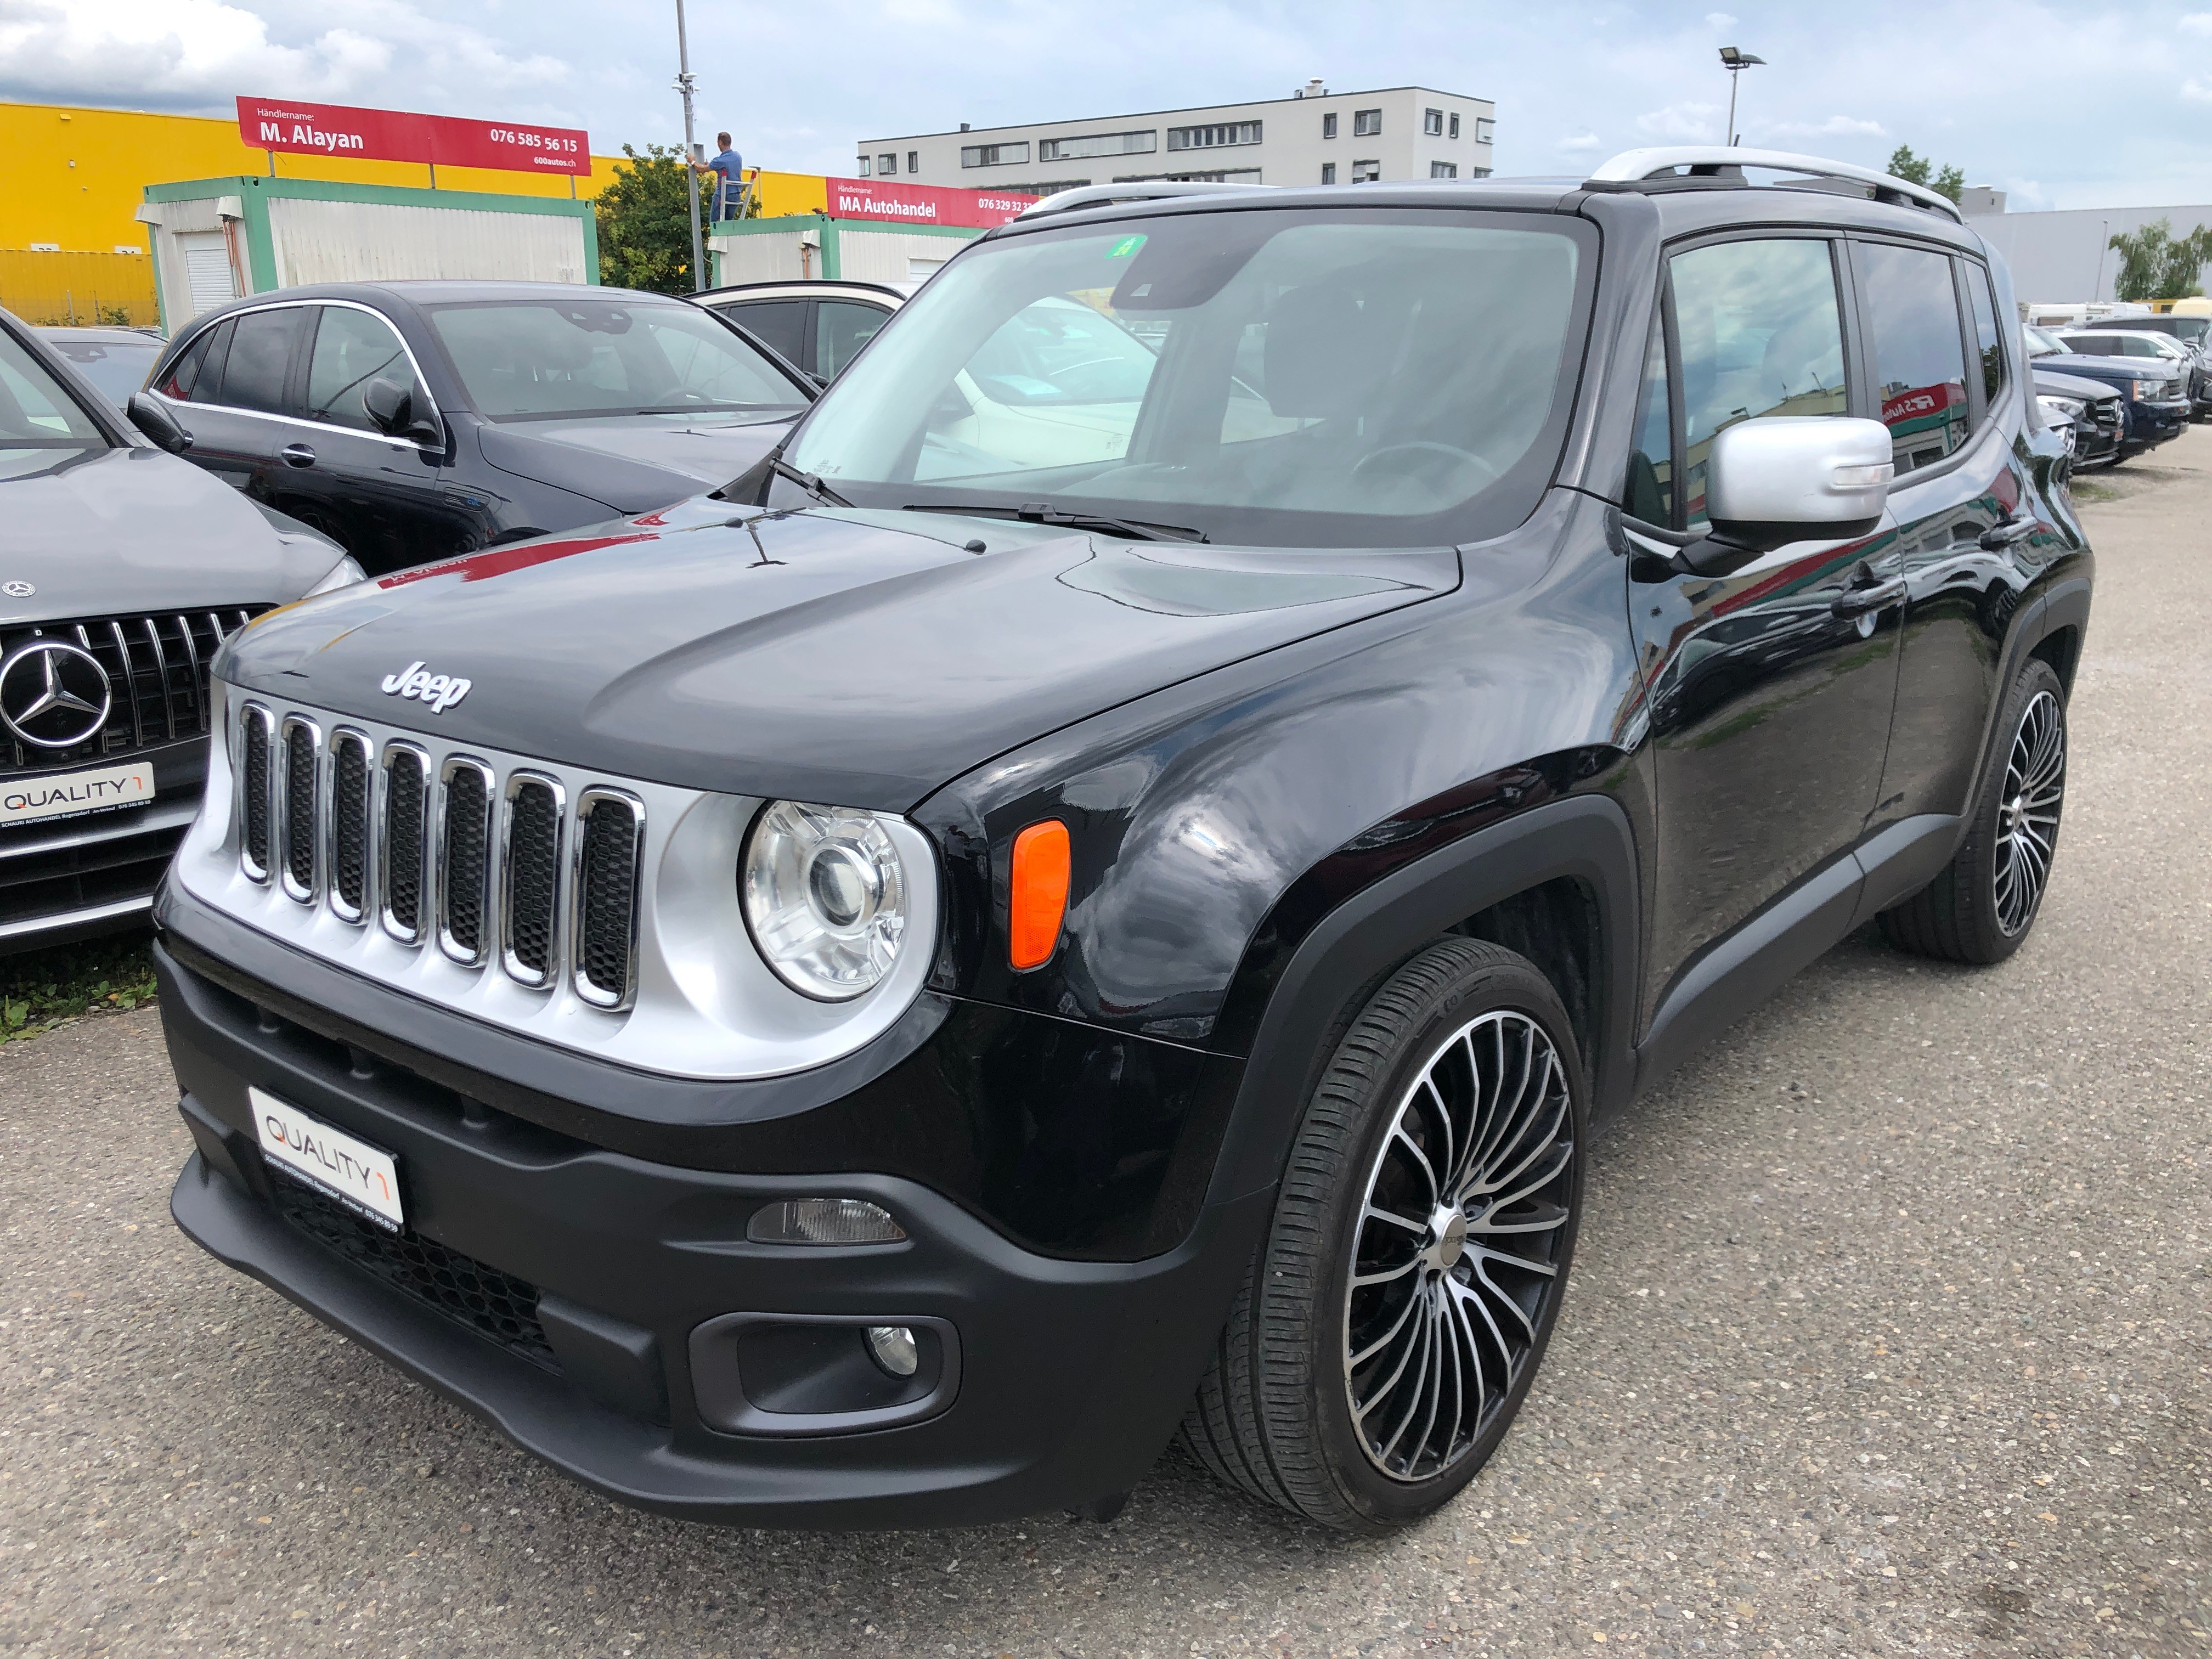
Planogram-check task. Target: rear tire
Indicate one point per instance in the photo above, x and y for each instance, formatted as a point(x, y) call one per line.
point(1396, 1313)
point(1983, 905)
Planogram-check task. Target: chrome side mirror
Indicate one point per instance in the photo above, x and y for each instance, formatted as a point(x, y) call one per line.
point(1781, 479)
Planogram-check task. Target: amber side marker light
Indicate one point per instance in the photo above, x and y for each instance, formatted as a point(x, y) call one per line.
point(1039, 886)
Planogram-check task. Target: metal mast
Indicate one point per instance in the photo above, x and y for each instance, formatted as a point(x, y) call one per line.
point(684, 84)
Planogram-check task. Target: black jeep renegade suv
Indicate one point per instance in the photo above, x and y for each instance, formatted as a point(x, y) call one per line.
point(1105, 885)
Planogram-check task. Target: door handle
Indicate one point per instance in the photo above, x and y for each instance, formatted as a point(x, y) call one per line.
point(297, 455)
point(2004, 534)
point(1857, 601)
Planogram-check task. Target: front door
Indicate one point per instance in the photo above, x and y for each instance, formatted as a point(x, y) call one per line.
point(377, 496)
point(1769, 691)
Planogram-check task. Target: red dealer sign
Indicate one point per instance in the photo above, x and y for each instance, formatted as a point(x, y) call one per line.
point(921, 204)
point(388, 135)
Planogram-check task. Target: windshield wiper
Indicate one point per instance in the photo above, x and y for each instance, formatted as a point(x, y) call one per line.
point(1137, 530)
point(807, 481)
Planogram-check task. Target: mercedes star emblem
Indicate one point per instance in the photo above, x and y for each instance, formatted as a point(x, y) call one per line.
point(53, 693)
point(17, 590)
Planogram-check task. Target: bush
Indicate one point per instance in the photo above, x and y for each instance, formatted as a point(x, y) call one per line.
point(645, 222)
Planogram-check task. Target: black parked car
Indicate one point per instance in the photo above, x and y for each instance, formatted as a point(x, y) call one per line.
point(871, 996)
point(2181, 341)
point(414, 421)
point(122, 573)
point(2154, 392)
point(2096, 412)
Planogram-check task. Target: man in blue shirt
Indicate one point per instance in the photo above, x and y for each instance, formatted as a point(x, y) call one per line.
point(727, 170)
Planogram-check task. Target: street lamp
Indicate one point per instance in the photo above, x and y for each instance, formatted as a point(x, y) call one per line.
point(684, 83)
point(1735, 63)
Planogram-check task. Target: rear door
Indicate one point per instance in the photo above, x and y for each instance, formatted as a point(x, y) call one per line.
point(784, 326)
point(1769, 691)
point(379, 497)
point(235, 393)
point(841, 327)
point(1967, 530)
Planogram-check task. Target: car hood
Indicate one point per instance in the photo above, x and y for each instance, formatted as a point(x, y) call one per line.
point(634, 463)
point(858, 658)
point(2071, 385)
point(2105, 368)
point(108, 532)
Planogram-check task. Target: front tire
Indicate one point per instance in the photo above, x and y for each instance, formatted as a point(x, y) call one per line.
point(1980, 909)
point(1397, 1311)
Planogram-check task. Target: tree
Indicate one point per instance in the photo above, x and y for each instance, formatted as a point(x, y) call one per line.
point(2156, 264)
point(1915, 170)
point(645, 222)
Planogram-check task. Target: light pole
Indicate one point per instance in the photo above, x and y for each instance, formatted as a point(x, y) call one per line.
point(1735, 63)
point(690, 156)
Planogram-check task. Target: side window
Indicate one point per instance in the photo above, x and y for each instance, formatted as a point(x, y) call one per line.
point(352, 349)
point(1761, 333)
point(842, 328)
point(781, 326)
point(1919, 355)
point(260, 358)
point(197, 376)
point(1650, 495)
point(1988, 340)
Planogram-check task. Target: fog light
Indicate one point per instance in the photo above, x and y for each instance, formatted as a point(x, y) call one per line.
point(825, 1221)
point(892, 1347)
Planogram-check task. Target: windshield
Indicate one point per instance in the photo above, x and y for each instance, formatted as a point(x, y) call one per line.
point(2040, 344)
point(117, 369)
point(524, 360)
point(35, 412)
point(1275, 377)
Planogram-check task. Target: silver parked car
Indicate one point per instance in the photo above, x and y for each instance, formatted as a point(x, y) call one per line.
point(122, 572)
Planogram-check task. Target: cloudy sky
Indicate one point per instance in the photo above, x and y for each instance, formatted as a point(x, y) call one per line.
point(2074, 106)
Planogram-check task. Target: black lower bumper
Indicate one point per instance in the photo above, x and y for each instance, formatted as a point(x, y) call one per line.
point(582, 1301)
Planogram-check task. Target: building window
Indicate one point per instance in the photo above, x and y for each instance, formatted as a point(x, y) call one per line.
point(1432, 123)
point(1484, 128)
point(1049, 187)
point(913, 159)
point(1478, 172)
point(1217, 176)
point(993, 156)
point(1214, 137)
point(1366, 173)
point(1366, 123)
point(1099, 143)
point(1443, 169)
point(887, 163)
point(1329, 172)
point(1455, 124)
point(864, 164)
point(1329, 124)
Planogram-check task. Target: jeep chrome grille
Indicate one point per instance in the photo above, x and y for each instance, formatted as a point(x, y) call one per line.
point(339, 822)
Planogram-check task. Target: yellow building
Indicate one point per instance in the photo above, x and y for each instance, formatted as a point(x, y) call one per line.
point(71, 247)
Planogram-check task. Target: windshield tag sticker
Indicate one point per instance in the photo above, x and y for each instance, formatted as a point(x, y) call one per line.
point(1125, 248)
point(440, 691)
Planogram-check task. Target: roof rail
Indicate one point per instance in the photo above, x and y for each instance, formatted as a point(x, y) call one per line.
point(1148, 190)
point(1707, 160)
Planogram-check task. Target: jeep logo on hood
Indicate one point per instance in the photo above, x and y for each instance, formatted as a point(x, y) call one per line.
point(441, 691)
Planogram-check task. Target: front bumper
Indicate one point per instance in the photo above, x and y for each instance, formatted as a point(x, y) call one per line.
point(2150, 424)
point(592, 1321)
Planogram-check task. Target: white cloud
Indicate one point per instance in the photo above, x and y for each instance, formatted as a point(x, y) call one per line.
point(1720, 20)
point(1685, 122)
point(2198, 23)
point(202, 53)
point(2196, 91)
point(1581, 143)
point(1836, 126)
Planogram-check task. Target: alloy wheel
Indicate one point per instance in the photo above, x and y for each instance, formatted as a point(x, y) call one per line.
point(1457, 1255)
point(2028, 815)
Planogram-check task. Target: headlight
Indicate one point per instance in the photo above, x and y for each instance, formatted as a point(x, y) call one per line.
point(825, 897)
point(2064, 409)
point(344, 574)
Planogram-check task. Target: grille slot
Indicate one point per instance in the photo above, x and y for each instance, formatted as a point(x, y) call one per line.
point(256, 734)
point(609, 834)
point(303, 746)
point(495, 1305)
point(157, 676)
point(464, 857)
point(350, 773)
point(530, 877)
point(405, 842)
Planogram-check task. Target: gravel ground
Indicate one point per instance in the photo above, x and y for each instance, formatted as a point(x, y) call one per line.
point(1890, 1332)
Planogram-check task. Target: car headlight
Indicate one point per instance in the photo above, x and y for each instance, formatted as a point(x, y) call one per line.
point(344, 574)
point(824, 894)
point(2061, 409)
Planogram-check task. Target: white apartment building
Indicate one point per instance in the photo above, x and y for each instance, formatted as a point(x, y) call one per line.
point(1314, 137)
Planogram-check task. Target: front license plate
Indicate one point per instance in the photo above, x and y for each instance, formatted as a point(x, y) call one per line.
point(363, 1179)
point(96, 789)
